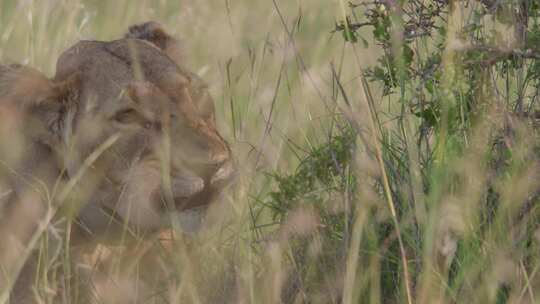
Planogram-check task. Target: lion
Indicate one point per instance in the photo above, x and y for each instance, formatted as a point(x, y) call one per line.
point(122, 138)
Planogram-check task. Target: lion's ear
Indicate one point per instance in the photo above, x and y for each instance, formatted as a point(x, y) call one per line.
point(66, 90)
point(40, 100)
point(24, 86)
point(27, 87)
point(154, 33)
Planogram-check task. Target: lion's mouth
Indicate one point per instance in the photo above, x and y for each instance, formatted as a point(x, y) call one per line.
point(190, 190)
point(223, 175)
point(143, 201)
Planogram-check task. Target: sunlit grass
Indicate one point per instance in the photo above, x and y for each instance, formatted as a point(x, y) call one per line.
point(285, 86)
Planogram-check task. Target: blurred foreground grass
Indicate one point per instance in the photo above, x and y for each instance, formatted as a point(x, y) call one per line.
point(322, 163)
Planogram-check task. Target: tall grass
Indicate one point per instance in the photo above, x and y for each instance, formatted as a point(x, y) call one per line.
point(344, 194)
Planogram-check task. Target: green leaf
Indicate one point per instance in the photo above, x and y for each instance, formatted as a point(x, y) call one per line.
point(430, 116)
point(348, 35)
point(380, 32)
point(408, 55)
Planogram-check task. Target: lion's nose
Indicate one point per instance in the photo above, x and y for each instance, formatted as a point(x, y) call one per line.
point(221, 157)
point(219, 168)
point(218, 164)
point(224, 173)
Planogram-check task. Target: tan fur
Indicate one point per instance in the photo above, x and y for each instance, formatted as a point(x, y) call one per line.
point(25, 85)
point(167, 156)
point(154, 33)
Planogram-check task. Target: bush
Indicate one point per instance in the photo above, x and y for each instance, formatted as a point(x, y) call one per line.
point(461, 162)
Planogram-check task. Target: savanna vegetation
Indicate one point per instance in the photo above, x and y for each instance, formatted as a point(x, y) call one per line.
point(387, 152)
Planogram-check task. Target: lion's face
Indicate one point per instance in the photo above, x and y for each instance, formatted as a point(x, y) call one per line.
point(167, 152)
point(121, 129)
point(132, 125)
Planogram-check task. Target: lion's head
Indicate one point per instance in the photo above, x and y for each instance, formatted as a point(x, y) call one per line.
point(135, 123)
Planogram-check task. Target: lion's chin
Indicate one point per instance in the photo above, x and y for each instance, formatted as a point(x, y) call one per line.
point(110, 227)
point(142, 206)
point(190, 220)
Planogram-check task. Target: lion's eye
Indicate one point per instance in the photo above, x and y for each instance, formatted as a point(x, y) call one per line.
point(128, 116)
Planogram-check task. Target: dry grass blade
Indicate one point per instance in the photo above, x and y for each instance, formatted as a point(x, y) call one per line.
point(55, 204)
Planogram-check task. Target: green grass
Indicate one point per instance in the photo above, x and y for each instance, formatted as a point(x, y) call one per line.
point(344, 195)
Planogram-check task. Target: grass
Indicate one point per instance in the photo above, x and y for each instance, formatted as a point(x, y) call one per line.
point(343, 194)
